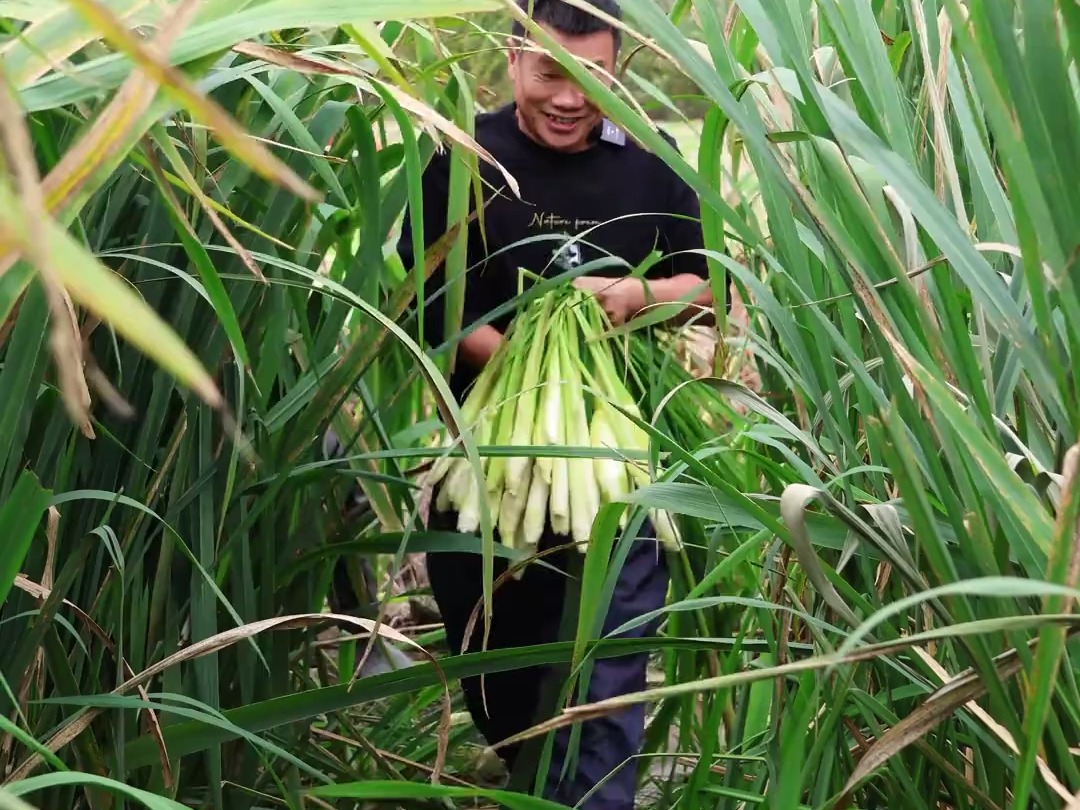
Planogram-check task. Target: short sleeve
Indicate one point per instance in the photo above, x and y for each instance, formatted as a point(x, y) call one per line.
point(681, 221)
point(681, 230)
point(435, 186)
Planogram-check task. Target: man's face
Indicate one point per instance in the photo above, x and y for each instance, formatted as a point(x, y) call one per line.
point(552, 108)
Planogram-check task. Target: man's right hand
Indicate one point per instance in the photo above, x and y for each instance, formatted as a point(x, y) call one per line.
point(476, 349)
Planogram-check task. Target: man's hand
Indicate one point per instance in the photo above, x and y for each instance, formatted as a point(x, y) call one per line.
point(623, 298)
point(620, 298)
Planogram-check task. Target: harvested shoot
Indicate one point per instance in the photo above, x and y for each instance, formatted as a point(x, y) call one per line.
point(554, 390)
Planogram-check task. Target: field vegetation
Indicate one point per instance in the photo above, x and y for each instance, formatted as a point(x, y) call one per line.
point(874, 603)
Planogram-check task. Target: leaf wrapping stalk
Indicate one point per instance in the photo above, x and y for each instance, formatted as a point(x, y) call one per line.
point(611, 475)
point(532, 395)
point(512, 508)
point(532, 525)
point(549, 430)
point(525, 416)
point(584, 494)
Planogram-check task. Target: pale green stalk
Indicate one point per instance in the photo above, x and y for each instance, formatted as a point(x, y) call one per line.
point(525, 416)
point(512, 508)
point(549, 426)
point(610, 472)
point(558, 435)
point(471, 410)
point(613, 388)
point(666, 530)
point(507, 409)
point(584, 494)
point(531, 528)
point(484, 403)
point(469, 508)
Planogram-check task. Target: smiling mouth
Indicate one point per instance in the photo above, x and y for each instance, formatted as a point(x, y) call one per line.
point(562, 120)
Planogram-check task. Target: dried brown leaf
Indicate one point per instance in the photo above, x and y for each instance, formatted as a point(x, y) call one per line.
point(995, 727)
point(1007, 664)
point(937, 708)
point(208, 208)
point(42, 592)
point(107, 392)
point(428, 116)
point(63, 331)
point(294, 61)
point(54, 57)
point(228, 638)
point(184, 91)
point(108, 133)
point(100, 142)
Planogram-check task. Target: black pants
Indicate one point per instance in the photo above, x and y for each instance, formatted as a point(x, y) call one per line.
point(529, 612)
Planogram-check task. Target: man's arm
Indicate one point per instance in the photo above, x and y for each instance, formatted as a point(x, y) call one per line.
point(680, 276)
point(689, 287)
point(475, 349)
point(685, 270)
point(478, 347)
point(623, 298)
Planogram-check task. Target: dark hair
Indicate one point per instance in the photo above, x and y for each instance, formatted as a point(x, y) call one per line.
point(568, 19)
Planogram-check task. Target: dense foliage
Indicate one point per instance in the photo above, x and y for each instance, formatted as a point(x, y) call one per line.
point(874, 602)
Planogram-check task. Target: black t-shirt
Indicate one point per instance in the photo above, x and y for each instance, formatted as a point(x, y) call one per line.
point(627, 200)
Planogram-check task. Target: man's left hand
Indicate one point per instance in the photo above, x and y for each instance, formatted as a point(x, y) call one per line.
point(620, 298)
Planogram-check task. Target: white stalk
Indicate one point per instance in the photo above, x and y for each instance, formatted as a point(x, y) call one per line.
point(469, 510)
point(584, 493)
point(519, 542)
point(560, 496)
point(549, 426)
point(532, 525)
point(511, 510)
point(666, 531)
point(610, 472)
point(457, 482)
point(443, 503)
point(442, 464)
point(527, 406)
point(556, 426)
point(541, 464)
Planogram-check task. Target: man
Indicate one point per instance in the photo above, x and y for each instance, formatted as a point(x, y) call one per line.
point(577, 173)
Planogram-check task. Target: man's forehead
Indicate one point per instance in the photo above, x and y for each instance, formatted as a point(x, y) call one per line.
point(578, 47)
point(596, 46)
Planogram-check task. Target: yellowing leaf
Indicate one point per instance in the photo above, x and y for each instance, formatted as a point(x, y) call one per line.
point(102, 292)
